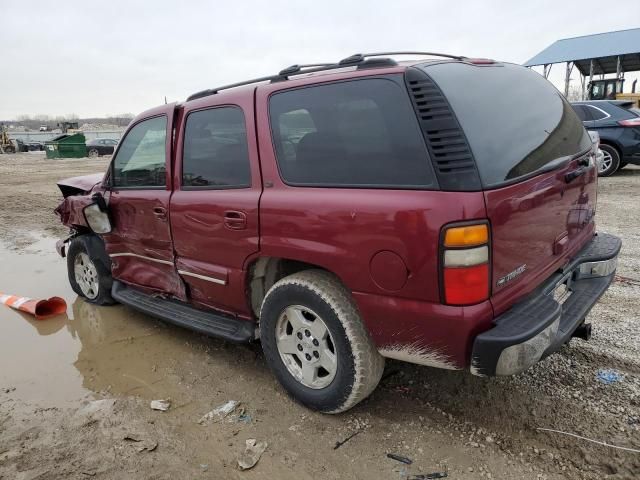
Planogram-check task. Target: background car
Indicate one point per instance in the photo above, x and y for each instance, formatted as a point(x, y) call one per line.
point(35, 146)
point(101, 146)
point(618, 124)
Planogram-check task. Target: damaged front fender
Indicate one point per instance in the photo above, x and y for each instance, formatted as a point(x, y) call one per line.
point(77, 193)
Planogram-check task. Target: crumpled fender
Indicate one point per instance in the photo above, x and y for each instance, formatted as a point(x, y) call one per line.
point(79, 185)
point(77, 192)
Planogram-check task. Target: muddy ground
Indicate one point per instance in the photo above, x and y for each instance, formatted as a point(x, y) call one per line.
point(72, 389)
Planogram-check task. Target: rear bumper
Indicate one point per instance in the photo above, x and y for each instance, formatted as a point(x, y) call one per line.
point(540, 324)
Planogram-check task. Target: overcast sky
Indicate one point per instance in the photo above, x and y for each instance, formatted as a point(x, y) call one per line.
point(111, 57)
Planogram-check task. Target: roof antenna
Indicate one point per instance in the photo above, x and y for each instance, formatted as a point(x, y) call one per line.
point(165, 99)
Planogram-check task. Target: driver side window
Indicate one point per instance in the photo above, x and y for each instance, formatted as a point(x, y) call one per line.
point(141, 160)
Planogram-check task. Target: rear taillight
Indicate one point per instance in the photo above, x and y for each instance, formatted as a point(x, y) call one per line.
point(632, 122)
point(465, 264)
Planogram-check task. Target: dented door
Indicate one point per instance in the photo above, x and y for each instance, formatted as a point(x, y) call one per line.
point(140, 244)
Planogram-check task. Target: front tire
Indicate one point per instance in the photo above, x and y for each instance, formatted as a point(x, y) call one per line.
point(87, 275)
point(316, 343)
point(610, 162)
point(94, 153)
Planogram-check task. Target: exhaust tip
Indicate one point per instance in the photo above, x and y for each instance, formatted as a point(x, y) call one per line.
point(583, 332)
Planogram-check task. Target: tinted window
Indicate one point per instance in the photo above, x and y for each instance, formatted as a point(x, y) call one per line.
point(357, 133)
point(140, 162)
point(582, 112)
point(596, 113)
point(215, 149)
point(516, 122)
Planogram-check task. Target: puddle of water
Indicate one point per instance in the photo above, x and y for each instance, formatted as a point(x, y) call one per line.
point(63, 360)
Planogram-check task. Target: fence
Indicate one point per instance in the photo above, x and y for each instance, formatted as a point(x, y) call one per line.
point(46, 136)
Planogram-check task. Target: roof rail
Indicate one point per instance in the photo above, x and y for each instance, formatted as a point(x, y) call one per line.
point(360, 57)
point(293, 69)
point(359, 60)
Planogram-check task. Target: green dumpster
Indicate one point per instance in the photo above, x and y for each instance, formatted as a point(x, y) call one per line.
point(67, 146)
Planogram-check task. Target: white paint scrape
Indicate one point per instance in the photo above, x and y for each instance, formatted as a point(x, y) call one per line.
point(418, 354)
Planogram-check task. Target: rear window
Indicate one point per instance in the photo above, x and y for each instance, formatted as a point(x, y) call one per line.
point(360, 133)
point(516, 122)
point(215, 153)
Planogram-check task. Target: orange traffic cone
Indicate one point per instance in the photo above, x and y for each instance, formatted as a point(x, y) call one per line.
point(41, 309)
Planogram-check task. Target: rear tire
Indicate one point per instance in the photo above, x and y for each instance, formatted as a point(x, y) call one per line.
point(87, 275)
point(94, 153)
point(309, 320)
point(611, 161)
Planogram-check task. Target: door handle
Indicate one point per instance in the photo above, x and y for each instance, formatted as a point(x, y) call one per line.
point(235, 220)
point(160, 212)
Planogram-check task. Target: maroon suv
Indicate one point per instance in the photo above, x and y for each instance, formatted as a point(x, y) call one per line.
point(439, 212)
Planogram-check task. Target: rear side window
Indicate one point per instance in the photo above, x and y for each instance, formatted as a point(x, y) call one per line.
point(141, 159)
point(215, 149)
point(596, 113)
point(582, 112)
point(516, 122)
point(360, 133)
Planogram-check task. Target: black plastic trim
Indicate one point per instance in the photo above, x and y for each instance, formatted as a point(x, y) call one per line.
point(449, 150)
point(184, 315)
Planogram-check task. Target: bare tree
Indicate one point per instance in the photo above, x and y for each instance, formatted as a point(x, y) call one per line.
point(575, 93)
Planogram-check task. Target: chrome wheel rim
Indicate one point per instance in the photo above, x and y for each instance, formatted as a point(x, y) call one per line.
point(86, 275)
point(306, 347)
point(607, 160)
point(93, 152)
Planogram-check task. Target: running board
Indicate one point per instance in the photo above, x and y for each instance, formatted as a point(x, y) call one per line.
point(184, 315)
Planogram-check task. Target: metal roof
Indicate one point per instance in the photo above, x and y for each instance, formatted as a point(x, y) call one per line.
point(603, 48)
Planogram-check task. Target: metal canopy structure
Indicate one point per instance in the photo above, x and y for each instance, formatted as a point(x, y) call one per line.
point(598, 54)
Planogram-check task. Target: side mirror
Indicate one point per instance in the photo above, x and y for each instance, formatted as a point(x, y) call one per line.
point(100, 201)
point(97, 216)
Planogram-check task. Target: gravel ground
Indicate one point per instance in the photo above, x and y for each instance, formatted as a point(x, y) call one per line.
point(468, 426)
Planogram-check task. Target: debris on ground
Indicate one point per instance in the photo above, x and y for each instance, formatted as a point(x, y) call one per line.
point(144, 444)
point(219, 412)
point(400, 458)
point(41, 309)
point(609, 376)
point(342, 442)
point(149, 446)
point(252, 453)
point(428, 476)
point(598, 442)
point(162, 405)
point(241, 416)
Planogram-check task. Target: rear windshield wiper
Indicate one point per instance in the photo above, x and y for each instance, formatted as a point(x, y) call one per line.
point(561, 162)
point(555, 164)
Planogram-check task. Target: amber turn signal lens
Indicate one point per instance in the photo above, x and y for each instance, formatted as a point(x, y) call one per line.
point(466, 236)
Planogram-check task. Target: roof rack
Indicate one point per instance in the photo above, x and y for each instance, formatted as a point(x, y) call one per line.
point(359, 60)
point(360, 57)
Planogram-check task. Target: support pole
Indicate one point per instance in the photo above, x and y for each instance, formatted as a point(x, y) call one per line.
point(567, 79)
point(619, 74)
point(590, 78)
point(547, 70)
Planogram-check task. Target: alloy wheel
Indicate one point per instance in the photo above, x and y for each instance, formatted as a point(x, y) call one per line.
point(306, 347)
point(86, 275)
